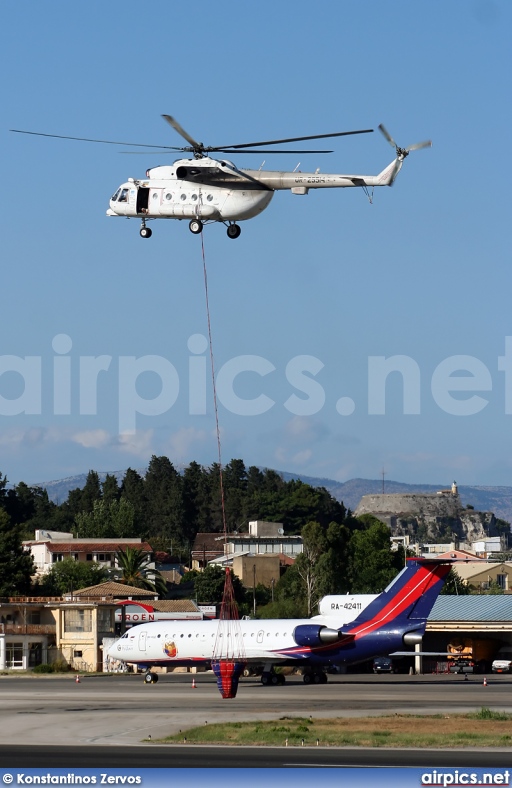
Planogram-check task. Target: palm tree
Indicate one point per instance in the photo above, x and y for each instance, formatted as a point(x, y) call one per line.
point(137, 572)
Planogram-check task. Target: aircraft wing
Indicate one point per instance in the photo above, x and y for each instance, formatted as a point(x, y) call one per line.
point(421, 654)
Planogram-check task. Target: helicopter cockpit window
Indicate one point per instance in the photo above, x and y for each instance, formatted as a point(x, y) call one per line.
point(116, 195)
point(123, 197)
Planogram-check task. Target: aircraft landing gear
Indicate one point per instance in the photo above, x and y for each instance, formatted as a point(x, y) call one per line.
point(145, 232)
point(150, 678)
point(269, 678)
point(195, 226)
point(234, 230)
point(314, 677)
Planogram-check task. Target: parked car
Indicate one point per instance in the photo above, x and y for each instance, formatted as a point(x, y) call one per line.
point(462, 666)
point(503, 661)
point(383, 665)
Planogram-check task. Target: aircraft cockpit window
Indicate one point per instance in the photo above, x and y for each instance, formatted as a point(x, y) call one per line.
point(116, 195)
point(123, 197)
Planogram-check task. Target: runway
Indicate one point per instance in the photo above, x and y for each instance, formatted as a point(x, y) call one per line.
point(107, 718)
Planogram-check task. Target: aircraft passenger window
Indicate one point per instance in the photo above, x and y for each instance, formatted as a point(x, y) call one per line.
point(210, 197)
point(116, 195)
point(183, 196)
point(194, 197)
point(123, 197)
point(154, 196)
point(190, 636)
point(168, 196)
point(158, 636)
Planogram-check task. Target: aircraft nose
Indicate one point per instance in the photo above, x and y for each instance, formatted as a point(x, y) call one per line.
point(114, 651)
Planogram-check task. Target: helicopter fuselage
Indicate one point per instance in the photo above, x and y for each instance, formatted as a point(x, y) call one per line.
point(212, 190)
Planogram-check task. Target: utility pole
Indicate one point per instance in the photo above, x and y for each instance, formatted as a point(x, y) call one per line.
point(254, 590)
point(383, 473)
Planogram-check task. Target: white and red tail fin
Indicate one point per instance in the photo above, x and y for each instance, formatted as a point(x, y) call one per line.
point(388, 175)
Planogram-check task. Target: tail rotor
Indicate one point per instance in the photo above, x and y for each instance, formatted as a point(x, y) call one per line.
point(401, 153)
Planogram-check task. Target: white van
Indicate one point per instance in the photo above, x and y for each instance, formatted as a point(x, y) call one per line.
point(503, 661)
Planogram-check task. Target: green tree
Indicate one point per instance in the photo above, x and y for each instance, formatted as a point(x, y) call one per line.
point(16, 565)
point(132, 490)
point(110, 489)
point(332, 567)
point(91, 492)
point(209, 586)
point(196, 501)
point(68, 576)
point(114, 520)
point(163, 490)
point(372, 564)
point(454, 584)
point(307, 563)
point(137, 572)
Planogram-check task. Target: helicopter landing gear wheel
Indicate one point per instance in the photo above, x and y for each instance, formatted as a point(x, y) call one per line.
point(234, 231)
point(196, 226)
point(145, 232)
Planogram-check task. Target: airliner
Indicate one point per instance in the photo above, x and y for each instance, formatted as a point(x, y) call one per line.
point(348, 630)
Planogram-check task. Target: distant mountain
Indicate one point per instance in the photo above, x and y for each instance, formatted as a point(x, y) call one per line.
point(484, 499)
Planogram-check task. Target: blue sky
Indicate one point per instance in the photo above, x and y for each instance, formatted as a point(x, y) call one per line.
point(326, 285)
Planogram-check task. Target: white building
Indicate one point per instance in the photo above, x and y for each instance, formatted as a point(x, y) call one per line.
point(50, 547)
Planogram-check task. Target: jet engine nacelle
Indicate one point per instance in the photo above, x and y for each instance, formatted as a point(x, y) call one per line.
point(413, 638)
point(314, 635)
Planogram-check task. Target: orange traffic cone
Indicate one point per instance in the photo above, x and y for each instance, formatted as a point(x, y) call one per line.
point(194, 684)
point(485, 682)
point(77, 680)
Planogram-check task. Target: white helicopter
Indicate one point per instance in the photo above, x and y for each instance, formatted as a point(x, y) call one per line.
point(205, 190)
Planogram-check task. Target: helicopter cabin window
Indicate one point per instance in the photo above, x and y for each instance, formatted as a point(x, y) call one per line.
point(116, 195)
point(123, 197)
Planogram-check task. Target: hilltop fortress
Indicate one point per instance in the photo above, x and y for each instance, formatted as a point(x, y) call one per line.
point(429, 517)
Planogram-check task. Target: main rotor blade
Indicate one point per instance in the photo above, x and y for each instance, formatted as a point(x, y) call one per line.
point(289, 139)
point(219, 150)
point(181, 131)
point(420, 145)
point(87, 139)
point(387, 135)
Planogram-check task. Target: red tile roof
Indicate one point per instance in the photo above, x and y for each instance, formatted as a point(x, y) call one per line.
point(96, 547)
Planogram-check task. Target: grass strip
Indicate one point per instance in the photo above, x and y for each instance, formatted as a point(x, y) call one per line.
point(485, 728)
